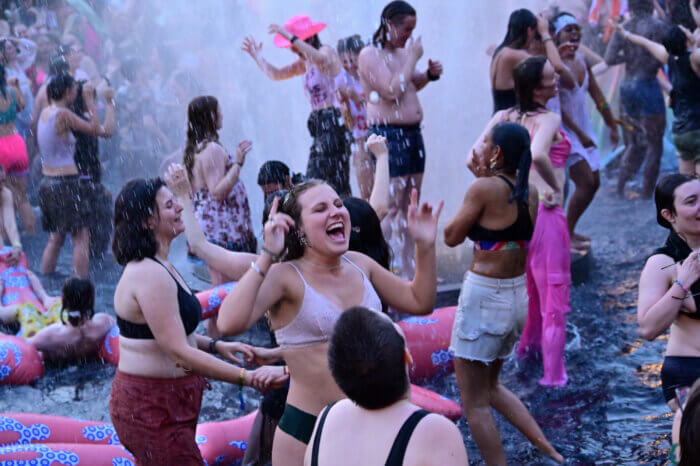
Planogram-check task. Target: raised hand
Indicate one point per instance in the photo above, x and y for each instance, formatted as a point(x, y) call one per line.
point(376, 144)
point(435, 68)
point(422, 224)
point(276, 29)
point(415, 47)
point(689, 270)
point(542, 25)
point(242, 150)
point(177, 180)
point(251, 47)
point(276, 228)
point(229, 349)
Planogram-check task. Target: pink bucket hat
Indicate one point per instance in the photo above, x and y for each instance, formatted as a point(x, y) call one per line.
point(300, 26)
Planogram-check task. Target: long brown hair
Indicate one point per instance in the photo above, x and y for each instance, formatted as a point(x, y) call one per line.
point(527, 77)
point(201, 127)
point(291, 206)
point(395, 12)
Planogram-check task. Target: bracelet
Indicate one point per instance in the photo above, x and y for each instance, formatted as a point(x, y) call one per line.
point(431, 76)
point(255, 267)
point(17, 245)
point(241, 378)
point(604, 106)
point(274, 257)
point(545, 39)
point(291, 41)
point(679, 283)
point(212, 345)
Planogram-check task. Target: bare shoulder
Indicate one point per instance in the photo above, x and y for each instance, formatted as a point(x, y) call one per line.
point(147, 273)
point(369, 54)
point(437, 440)
point(361, 260)
point(658, 264)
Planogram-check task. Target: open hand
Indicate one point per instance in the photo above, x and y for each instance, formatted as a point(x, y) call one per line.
point(415, 47)
point(276, 29)
point(242, 150)
point(177, 180)
point(108, 94)
point(276, 229)
point(542, 25)
point(229, 349)
point(422, 224)
point(251, 47)
point(263, 356)
point(689, 270)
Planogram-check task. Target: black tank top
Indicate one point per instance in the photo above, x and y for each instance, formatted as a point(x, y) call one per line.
point(685, 95)
point(520, 230)
point(503, 99)
point(398, 449)
point(678, 250)
point(190, 313)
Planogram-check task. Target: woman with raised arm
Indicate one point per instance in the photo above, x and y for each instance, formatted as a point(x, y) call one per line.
point(680, 52)
point(549, 259)
point(498, 214)
point(319, 64)
point(157, 390)
point(305, 294)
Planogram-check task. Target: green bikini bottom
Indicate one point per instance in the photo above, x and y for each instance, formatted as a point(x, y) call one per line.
point(297, 423)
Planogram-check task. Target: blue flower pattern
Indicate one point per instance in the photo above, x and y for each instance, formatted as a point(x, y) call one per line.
point(47, 456)
point(5, 348)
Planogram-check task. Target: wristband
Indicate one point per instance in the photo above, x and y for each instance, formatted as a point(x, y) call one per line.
point(431, 76)
point(679, 283)
point(255, 267)
point(291, 41)
point(212, 345)
point(545, 39)
point(286, 370)
point(604, 106)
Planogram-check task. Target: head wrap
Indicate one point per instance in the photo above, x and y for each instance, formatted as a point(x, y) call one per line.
point(563, 21)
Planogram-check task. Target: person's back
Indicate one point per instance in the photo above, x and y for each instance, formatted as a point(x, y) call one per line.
point(62, 341)
point(378, 424)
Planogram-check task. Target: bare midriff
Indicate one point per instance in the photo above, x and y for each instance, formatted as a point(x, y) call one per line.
point(499, 264)
point(685, 337)
point(146, 358)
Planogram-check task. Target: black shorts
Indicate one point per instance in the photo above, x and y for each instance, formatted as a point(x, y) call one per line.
point(66, 203)
point(406, 149)
point(677, 372)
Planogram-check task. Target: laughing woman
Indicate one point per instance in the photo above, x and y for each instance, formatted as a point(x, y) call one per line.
point(306, 293)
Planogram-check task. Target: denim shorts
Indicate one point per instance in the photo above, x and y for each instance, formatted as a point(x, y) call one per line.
point(490, 317)
point(406, 149)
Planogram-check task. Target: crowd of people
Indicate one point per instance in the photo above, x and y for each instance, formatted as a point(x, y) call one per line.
point(323, 279)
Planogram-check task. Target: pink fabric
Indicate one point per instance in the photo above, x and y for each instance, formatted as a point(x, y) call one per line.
point(13, 155)
point(548, 284)
point(559, 152)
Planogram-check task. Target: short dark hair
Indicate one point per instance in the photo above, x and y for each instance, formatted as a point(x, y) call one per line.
point(136, 202)
point(366, 234)
point(58, 86)
point(366, 358)
point(675, 41)
point(78, 294)
point(273, 171)
point(664, 194)
point(641, 7)
point(58, 64)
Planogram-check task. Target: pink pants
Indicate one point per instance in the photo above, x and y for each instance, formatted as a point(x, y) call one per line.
point(548, 282)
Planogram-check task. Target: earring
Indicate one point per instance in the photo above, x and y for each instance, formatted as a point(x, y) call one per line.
point(492, 165)
point(303, 240)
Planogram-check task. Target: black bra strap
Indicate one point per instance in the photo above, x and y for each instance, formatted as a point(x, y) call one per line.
point(317, 437)
point(186, 290)
point(511, 185)
point(398, 449)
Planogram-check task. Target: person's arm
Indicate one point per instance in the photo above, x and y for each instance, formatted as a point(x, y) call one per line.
point(495, 119)
point(548, 126)
point(276, 74)
point(70, 121)
point(214, 164)
point(657, 50)
point(421, 79)
point(10, 223)
point(566, 77)
point(591, 57)
point(19, 96)
point(390, 86)
point(326, 58)
point(39, 289)
point(695, 61)
point(232, 264)
point(417, 296)
point(585, 139)
point(46, 340)
point(657, 306)
point(469, 212)
point(262, 286)
point(614, 53)
point(603, 107)
point(379, 198)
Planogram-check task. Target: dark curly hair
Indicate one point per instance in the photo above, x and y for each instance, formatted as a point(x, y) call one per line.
point(78, 294)
point(136, 202)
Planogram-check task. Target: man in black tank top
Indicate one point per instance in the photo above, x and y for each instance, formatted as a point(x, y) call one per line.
point(369, 362)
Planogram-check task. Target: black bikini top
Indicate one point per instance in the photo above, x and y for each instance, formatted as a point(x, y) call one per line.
point(190, 313)
point(520, 230)
point(678, 250)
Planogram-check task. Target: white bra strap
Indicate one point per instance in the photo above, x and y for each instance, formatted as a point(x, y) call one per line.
point(299, 272)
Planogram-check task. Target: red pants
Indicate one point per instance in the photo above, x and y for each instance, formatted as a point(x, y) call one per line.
point(156, 419)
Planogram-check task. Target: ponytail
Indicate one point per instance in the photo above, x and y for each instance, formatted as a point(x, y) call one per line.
point(395, 12)
point(514, 141)
point(201, 127)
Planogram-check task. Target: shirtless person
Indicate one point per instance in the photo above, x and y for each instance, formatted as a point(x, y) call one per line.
point(390, 80)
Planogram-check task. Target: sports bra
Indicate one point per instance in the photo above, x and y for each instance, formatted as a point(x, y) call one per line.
point(515, 236)
point(317, 315)
point(678, 250)
point(398, 448)
point(10, 113)
point(187, 303)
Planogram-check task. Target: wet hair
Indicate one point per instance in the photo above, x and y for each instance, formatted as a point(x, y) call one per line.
point(514, 141)
point(554, 18)
point(366, 233)
point(395, 12)
point(58, 86)
point(292, 207)
point(79, 106)
point(518, 23)
point(3, 83)
point(366, 358)
point(689, 435)
point(527, 76)
point(3, 46)
point(352, 44)
point(314, 41)
point(273, 171)
point(135, 203)
point(77, 295)
point(201, 126)
point(268, 203)
point(664, 194)
point(674, 41)
point(58, 65)
point(641, 7)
